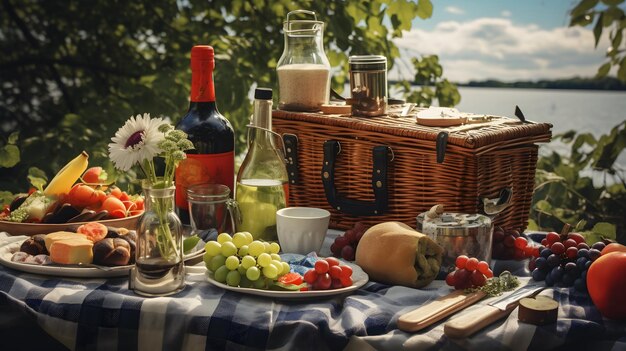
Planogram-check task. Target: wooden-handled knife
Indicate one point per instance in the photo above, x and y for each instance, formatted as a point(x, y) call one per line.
point(438, 309)
point(473, 321)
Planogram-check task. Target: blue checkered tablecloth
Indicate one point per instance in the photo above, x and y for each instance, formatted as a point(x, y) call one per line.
point(102, 314)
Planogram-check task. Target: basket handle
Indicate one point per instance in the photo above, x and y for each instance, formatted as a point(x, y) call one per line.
point(379, 183)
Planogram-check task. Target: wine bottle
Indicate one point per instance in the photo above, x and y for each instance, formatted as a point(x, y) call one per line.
point(213, 159)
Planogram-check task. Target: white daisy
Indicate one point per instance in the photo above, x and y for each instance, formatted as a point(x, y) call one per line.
point(136, 141)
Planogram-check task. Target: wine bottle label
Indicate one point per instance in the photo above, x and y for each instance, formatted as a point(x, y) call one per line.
point(204, 168)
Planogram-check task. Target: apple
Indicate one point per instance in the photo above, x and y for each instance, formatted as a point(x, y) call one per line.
point(94, 175)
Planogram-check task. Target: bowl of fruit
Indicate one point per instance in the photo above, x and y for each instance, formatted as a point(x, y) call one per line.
point(76, 195)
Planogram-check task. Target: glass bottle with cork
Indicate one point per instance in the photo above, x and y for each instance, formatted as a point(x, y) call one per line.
point(262, 181)
point(213, 159)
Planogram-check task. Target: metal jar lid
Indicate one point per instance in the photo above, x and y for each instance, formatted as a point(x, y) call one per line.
point(367, 63)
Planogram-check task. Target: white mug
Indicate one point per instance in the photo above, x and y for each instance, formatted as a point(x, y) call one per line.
point(301, 230)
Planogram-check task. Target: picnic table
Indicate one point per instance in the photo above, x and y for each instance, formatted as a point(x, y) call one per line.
point(103, 314)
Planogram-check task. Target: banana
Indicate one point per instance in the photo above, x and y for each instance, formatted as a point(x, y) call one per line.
point(68, 175)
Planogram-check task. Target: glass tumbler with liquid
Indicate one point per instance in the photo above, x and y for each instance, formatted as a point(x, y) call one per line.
point(262, 181)
point(210, 206)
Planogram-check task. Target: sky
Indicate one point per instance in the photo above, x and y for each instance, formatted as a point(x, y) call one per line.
point(507, 40)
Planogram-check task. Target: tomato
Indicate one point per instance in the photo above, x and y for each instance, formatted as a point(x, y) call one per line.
point(291, 278)
point(124, 196)
point(114, 206)
point(606, 282)
point(139, 203)
point(117, 192)
point(613, 247)
point(82, 196)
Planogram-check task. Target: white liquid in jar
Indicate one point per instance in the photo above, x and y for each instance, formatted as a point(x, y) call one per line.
point(303, 87)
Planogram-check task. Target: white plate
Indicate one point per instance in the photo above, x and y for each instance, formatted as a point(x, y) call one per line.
point(359, 278)
point(7, 251)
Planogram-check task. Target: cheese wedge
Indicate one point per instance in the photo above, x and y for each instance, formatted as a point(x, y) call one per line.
point(56, 236)
point(72, 251)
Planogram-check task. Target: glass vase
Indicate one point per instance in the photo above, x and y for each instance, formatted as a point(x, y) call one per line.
point(159, 262)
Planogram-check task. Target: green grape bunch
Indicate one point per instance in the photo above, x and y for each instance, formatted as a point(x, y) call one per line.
point(239, 260)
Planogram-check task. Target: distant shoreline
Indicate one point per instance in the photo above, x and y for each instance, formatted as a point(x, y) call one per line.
point(607, 83)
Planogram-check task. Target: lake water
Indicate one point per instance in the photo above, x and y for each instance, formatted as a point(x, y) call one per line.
point(586, 111)
point(582, 110)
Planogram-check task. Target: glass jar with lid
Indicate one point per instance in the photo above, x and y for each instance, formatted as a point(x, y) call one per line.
point(303, 69)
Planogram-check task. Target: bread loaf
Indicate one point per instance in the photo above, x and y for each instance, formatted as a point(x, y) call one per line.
point(129, 235)
point(394, 253)
point(111, 252)
point(35, 245)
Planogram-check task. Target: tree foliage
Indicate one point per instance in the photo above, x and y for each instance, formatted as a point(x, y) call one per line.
point(603, 15)
point(430, 84)
point(565, 190)
point(74, 71)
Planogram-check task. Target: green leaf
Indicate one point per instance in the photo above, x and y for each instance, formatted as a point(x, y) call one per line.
point(597, 29)
point(583, 7)
point(612, 14)
point(37, 178)
point(189, 243)
point(612, 2)
point(13, 138)
point(621, 72)
point(401, 12)
point(603, 70)
point(276, 285)
point(9, 156)
point(591, 237)
point(607, 230)
point(582, 20)
point(543, 205)
point(424, 9)
point(617, 40)
point(532, 225)
point(6, 197)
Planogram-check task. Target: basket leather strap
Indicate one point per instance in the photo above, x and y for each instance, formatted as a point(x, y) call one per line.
point(379, 183)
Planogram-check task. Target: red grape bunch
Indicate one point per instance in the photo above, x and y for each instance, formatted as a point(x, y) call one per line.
point(511, 245)
point(563, 260)
point(469, 273)
point(345, 245)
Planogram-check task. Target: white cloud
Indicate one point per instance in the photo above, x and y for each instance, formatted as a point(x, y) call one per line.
point(454, 10)
point(506, 13)
point(496, 48)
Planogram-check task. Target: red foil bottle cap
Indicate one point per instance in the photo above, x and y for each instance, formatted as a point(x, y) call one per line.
point(202, 52)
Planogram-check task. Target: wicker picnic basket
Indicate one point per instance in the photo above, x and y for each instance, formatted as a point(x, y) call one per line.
point(391, 168)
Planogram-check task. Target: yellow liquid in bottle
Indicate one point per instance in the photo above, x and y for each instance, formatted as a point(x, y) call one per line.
point(258, 201)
